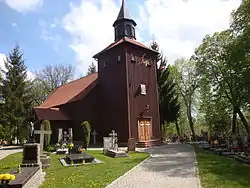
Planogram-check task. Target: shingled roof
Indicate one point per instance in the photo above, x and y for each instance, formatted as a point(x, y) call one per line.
point(70, 91)
point(122, 40)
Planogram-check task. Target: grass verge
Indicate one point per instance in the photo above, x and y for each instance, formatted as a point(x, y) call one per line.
point(221, 172)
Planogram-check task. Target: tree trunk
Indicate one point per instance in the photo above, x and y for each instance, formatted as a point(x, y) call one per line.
point(177, 128)
point(234, 131)
point(190, 120)
point(244, 121)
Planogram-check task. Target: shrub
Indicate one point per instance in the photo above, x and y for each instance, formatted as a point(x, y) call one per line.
point(86, 133)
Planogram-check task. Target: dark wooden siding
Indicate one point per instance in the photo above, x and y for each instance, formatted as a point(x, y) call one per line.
point(113, 96)
point(83, 110)
point(140, 74)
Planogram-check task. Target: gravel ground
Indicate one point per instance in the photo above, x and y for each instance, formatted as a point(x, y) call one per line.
point(171, 166)
point(5, 151)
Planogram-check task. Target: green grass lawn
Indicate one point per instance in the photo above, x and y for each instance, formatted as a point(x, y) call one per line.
point(221, 172)
point(95, 176)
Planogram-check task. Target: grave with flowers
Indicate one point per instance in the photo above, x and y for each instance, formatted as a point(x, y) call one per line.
point(29, 173)
point(78, 156)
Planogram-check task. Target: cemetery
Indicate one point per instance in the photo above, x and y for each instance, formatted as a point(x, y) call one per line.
point(36, 168)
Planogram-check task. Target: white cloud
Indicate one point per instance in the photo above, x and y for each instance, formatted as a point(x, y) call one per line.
point(177, 25)
point(91, 28)
point(24, 5)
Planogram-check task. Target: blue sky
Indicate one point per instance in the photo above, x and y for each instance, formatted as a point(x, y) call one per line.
point(71, 31)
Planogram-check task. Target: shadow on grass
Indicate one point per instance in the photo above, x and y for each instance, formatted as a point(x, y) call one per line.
point(221, 171)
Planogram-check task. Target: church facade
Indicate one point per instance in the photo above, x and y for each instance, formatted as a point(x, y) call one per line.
point(122, 96)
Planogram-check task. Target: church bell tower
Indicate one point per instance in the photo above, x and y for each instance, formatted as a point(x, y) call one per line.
point(127, 84)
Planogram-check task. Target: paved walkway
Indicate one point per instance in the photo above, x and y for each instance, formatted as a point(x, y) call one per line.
point(171, 166)
point(5, 151)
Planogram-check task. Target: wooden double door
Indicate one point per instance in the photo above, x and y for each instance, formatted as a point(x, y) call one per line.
point(144, 129)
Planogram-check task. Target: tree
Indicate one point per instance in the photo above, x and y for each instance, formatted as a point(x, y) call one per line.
point(16, 97)
point(91, 69)
point(186, 80)
point(50, 78)
point(168, 101)
point(219, 69)
point(86, 133)
point(239, 49)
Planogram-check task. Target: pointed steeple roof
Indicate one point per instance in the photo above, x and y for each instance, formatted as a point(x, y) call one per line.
point(124, 14)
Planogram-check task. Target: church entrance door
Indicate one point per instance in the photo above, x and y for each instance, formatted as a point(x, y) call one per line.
point(144, 129)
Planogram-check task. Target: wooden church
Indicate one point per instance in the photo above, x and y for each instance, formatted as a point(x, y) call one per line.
point(122, 96)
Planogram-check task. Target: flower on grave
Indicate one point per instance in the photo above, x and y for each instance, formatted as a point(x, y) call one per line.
point(6, 178)
point(71, 145)
point(81, 150)
point(64, 145)
point(216, 142)
point(57, 145)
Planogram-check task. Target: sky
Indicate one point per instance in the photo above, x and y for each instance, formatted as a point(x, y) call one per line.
point(71, 31)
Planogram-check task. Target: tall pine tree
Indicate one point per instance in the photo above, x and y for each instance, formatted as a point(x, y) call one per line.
point(91, 69)
point(168, 100)
point(16, 100)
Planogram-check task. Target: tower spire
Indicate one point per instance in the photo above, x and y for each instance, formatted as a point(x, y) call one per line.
point(124, 24)
point(124, 13)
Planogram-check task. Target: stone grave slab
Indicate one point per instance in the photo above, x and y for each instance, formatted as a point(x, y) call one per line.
point(79, 158)
point(117, 154)
point(29, 177)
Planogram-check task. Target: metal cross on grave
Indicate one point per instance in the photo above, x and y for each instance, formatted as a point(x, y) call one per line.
point(113, 134)
point(42, 132)
point(94, 133)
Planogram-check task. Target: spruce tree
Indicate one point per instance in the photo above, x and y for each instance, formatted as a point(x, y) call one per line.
point(91, 69)
point(16, 99)
point(168, 100)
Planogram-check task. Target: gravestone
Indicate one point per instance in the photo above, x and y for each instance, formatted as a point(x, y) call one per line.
point(59, 135)
point(110, 146)
point(107, 144)
point(131, 144)
point(31, 174)
point(42, 132)
point(94, 134)
point(31, 151)
point(45, 160)
point(113, 135)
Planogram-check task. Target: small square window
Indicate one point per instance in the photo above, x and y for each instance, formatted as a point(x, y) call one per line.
point(143, 89)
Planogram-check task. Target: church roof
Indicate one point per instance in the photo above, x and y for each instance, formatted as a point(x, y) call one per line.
point(51, 114)
point(122, 40)
point(70, 92)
